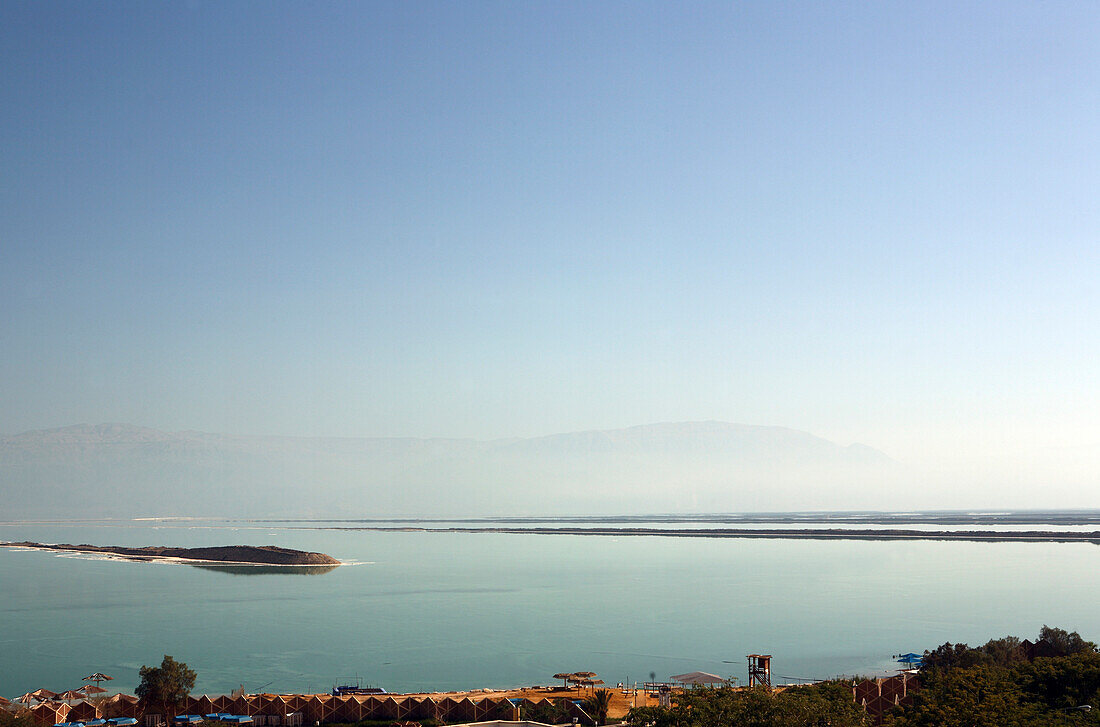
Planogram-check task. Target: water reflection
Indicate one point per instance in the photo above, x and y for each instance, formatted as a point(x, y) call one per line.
point(265, 570)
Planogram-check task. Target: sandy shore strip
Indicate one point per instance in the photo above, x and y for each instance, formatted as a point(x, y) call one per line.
point(983, 536)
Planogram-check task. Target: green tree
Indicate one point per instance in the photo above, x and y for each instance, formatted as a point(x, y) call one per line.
point(995, 685)
point(1007, 651)
point(164, 689)
point(1063, 682)
point(22, 718)
point(1064, 643)
point(652, 716)
point(1004, 652)
point(598, 704)
point(546, 711)
point(979, 696)
point(821, 705)
point(952, 656)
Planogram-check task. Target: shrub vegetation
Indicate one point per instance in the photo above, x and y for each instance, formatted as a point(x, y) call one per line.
point(997, 684)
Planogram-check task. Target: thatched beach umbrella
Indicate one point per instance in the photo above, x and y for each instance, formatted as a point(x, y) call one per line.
point(565, 677)
point(92, 689)
point(97, 678)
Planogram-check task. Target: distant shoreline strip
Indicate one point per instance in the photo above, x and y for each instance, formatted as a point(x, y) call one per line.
point(986, 536)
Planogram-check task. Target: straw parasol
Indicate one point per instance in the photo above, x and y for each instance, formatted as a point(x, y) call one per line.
point(92, 689)
point(565, 678)
point(97, 678)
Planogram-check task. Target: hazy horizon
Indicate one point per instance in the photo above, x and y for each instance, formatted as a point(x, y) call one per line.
point(877, 224)
point(118, 470)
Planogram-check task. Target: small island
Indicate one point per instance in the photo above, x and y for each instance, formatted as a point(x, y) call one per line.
point(235, 554)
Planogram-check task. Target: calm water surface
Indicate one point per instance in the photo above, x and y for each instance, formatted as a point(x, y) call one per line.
point(434, 611)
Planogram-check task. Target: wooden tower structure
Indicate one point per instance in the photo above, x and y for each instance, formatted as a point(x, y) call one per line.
point(760, 671)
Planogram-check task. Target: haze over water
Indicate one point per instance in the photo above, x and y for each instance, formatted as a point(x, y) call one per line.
point(445, 611)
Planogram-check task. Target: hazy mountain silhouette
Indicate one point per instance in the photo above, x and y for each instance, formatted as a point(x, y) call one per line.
point(118, 470)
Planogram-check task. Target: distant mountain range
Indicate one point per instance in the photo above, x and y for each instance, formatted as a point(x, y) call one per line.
point(119, 470)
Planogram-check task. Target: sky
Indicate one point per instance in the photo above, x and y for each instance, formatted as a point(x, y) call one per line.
point(877, 222)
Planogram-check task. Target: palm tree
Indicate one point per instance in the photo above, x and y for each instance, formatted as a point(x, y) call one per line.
point(598, 704)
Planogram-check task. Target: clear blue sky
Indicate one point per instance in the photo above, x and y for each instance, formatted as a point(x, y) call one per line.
point(874, 221)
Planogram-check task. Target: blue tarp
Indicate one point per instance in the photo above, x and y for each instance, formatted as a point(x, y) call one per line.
point(122, 720)
point(222, 717)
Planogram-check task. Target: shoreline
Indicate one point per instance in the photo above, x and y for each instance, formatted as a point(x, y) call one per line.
point(989, 536)
point(931, 517)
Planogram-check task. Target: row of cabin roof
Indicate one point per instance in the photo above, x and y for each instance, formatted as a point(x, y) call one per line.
point(288, 709)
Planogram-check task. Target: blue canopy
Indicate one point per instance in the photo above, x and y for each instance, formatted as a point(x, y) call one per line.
point(911, 658)
point(122, 720)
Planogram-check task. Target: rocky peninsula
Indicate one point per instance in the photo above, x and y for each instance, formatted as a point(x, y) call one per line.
point(237, 554)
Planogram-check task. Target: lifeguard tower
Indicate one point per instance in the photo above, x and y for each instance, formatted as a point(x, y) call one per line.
point(760, 671)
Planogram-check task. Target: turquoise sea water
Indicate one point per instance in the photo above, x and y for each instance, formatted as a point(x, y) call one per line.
point(442, 611)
